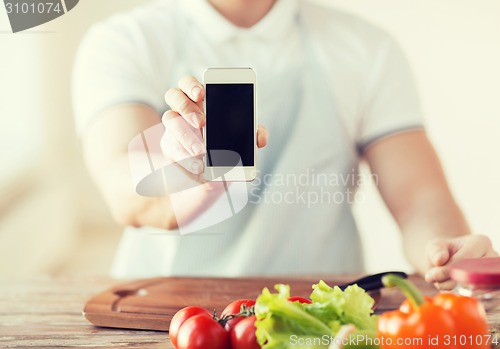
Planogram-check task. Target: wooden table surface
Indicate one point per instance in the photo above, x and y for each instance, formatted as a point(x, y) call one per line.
point(45, 312)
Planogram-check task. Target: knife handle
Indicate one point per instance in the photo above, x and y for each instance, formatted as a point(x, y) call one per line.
point(372, 282)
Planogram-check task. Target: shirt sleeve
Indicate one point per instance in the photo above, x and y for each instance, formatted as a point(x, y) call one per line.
point(391, 103)
point(110, 69)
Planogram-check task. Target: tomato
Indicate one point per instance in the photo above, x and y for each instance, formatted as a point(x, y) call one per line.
point(235, 307)
point(180, 317)
point(231, 323)
point(202, 332)
point(243, 334)
point(300, 300)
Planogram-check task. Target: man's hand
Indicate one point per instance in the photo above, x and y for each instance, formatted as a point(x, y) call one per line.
point(106, 152)
point(442, 252)
point(412, 183)
point(183, 124)
point(182, 143)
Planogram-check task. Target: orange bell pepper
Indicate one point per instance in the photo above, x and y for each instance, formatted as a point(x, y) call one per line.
point(446, 321)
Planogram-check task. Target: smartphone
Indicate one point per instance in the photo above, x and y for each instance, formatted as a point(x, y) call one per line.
point(230, 132)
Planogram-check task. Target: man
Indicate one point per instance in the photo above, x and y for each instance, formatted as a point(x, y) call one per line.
point(332, 90)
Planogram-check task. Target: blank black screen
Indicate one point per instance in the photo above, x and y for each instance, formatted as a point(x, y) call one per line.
point(230, 113)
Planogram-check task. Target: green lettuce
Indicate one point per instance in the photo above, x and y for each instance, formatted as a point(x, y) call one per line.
point(282, 324)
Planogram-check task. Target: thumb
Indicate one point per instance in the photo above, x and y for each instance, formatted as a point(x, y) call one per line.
point(438, 253)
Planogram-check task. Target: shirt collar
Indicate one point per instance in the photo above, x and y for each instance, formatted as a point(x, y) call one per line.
point(275, 24)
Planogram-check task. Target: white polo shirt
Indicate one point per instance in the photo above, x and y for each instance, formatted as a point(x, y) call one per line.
point(329, 85)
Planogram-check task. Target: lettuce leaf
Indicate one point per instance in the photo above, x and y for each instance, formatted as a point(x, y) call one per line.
point(282, 324)
point(352, 306)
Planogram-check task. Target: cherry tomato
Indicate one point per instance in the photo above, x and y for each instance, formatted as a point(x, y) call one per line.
point(231, 323)
point(202, 332)
point(180, 317)
point(300, 300)
point(243, 334)
point(235, 307)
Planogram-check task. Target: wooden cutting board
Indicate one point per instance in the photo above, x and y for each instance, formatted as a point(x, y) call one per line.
point(150, 304)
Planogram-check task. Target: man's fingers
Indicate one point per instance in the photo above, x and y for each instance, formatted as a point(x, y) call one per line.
point(176, 153)
point(440, 277)
point(437, 252)
point(184, 106)
point(262, 136)
point(192, 88)
point(184, 133)
point(473, 246)
point(445, 286)
point(442, 253)
point(438, 274)
point(182, 143)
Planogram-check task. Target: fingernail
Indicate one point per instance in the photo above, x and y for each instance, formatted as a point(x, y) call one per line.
point(196, 91)
point(198, 148)
point(196, 167)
